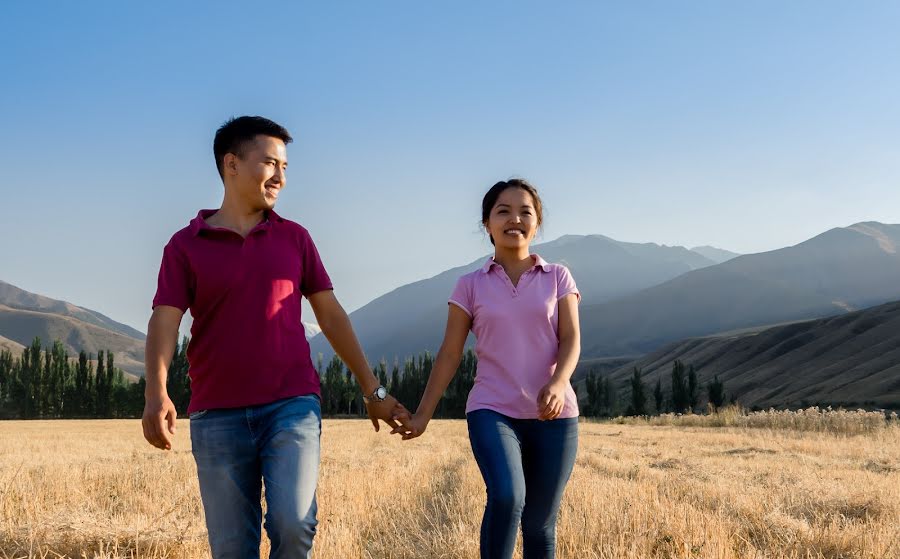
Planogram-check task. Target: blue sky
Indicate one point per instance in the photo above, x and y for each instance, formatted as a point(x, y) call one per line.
point(749, 126)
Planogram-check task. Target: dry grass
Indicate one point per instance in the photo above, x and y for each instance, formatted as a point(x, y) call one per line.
point(815, 419)
point(95, 489)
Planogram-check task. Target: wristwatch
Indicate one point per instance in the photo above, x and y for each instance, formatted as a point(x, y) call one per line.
point(378, 396)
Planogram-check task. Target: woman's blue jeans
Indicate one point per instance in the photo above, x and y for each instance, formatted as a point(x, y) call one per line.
point(237, 450)
point(526, 464)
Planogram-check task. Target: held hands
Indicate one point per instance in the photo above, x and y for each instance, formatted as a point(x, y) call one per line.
point(551, 399)
point(413, 425)
point(388, 410)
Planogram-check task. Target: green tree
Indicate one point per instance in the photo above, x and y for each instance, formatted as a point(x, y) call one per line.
point(680, 399)
point(638, 404)
point(590, 388)
point(693, 389)
point(395, 380)
point(178, 380)
point(610, 398)
point(101, 387)
point(716, 392)
point(658, 397)
point(30, 380)
point(6, 370)
point(332, 386)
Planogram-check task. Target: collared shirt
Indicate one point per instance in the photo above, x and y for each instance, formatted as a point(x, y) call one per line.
point(516, 331)
point(248, 346)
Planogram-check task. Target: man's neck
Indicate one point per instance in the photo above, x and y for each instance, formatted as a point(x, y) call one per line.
point(235, 218)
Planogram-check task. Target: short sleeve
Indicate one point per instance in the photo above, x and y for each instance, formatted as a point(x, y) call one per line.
point(175, 285)
point(462, 295)
point(565, 284)
point(313, 276)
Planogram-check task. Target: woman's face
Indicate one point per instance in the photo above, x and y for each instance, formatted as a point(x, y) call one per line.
point(513, 220)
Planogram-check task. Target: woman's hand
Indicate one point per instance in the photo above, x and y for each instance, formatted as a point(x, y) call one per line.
point(551, 399)
point(412, 426)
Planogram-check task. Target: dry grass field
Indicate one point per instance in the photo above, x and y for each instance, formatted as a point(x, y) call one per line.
point(94, 489)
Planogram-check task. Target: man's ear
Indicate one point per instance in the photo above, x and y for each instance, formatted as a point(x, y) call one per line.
point(229, 164)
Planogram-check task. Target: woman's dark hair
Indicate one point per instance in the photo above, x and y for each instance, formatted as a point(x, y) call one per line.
point(231, 136)
point(490, 199)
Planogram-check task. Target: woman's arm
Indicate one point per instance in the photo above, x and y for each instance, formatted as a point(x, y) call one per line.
point(445, 365)
point(336, 327)
point(552, 397)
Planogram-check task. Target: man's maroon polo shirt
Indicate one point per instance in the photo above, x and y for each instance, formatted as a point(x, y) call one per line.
point(248, 345)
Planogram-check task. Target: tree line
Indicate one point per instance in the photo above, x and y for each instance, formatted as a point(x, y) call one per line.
point(682, 395)
point(406, 382)
point(44, 382)
point(602, 398)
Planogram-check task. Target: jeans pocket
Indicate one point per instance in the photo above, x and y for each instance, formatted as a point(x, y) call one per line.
point(197, 414)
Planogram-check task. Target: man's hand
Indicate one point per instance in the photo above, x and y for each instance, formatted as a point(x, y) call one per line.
point(551, 399)
point(385, 411)
point(412, 425)
point(159, 421)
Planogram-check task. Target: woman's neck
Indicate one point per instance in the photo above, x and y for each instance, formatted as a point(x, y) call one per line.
point(513, 260)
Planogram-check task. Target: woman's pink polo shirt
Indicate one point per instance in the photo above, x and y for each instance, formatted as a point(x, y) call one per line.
point(516, 331)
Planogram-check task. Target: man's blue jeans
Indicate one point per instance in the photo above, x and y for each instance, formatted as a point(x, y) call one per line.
point(526, 464)
point(238, 449)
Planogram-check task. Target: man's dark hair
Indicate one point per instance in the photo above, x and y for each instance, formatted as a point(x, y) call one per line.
point(234, 134)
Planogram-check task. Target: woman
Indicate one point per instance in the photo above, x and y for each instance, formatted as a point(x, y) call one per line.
point(522, 413)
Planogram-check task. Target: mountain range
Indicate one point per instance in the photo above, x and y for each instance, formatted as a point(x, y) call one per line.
point(638, 297)
point(411, 318)
point(841, 270)
point(850, 360)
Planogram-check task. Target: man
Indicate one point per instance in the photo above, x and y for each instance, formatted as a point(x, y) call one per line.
point(255, 412)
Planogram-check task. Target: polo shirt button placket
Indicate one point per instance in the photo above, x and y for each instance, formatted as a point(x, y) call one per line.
point(515, 292)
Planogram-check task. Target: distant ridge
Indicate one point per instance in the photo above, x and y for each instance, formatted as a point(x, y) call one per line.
point(850, 360)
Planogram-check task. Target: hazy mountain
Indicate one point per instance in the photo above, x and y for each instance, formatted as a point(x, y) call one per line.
point(717, 255)
point(16, 298)
point(25, 315)
point(851, 359)
point(411, 318)
point(15, 347)
point(841, 270)
point(22, 326)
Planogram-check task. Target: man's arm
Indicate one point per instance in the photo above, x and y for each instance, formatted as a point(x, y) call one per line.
point(159, 411)
point(336, 327)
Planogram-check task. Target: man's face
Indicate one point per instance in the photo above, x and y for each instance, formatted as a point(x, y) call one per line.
point(259, 174)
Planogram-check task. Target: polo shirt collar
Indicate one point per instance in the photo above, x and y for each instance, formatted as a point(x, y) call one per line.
point(538, 263)
point(199, 224)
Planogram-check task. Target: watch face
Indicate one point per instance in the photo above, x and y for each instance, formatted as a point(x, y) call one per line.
point(381, 393)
